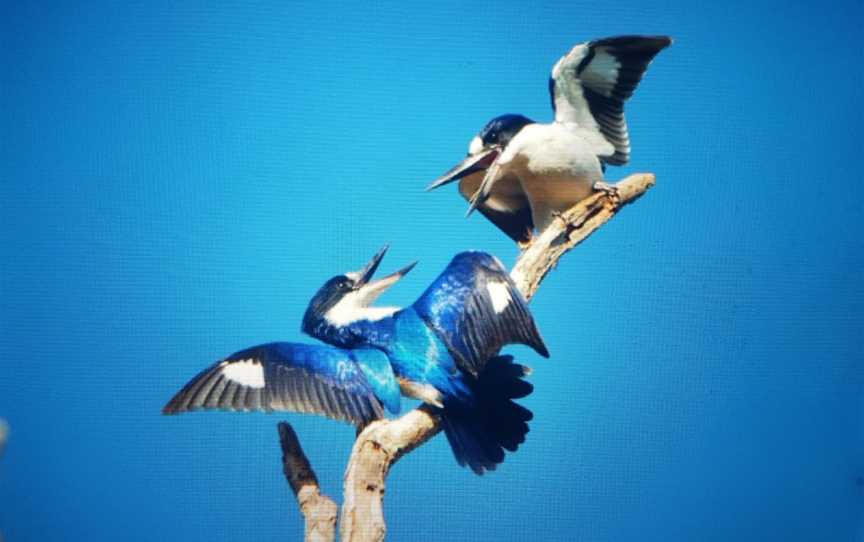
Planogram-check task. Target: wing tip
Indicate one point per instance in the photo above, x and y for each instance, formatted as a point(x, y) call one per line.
point(635, 42)
point(174, 408)
point(540, 348)
point(171, 407)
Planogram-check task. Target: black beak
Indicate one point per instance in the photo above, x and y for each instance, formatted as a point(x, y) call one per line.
point(370, 290)
point(394, 277)
point(475, 162)
point(365, 275)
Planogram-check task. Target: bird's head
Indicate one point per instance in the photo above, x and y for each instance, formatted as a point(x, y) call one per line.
point(485, 148)
point(349, 297)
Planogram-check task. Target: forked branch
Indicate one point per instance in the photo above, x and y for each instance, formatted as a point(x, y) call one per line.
point(381, 443)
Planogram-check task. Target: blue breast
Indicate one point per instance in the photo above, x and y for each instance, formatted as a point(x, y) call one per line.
point(417, 354)
point(379, 374)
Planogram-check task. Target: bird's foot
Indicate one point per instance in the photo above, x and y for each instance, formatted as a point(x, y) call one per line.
point(609, 189)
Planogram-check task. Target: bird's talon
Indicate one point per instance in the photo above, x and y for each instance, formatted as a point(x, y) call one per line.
point(609, 189)
point(602, 186)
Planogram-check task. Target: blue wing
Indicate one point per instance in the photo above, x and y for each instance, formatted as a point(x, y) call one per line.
point(291, 377)
point(475, 308)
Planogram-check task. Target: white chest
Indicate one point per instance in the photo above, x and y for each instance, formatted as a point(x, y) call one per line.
point(554, 150)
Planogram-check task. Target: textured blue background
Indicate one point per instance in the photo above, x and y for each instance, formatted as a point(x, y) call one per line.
point(175, 182)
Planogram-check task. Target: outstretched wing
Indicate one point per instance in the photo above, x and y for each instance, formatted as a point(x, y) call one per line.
point(475, 308)
point(590, 84)
point(284, 376)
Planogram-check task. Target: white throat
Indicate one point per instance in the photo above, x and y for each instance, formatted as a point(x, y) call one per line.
point(351, 309)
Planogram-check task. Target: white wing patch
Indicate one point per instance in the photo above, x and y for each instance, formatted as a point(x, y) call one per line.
point(500, 296)
point(244, 372)
point(569, 96)
point(602, 72)
point(590, 84)
point(573, 58)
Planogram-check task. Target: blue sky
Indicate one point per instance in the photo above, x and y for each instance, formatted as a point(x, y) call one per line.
point(177, 180)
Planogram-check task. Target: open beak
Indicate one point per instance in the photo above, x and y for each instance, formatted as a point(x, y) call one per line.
point(475, 162)
point(365, 274)
point(372, 289)
point(381, 285)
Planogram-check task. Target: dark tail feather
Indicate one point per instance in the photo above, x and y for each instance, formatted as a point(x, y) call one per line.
point(479, 433)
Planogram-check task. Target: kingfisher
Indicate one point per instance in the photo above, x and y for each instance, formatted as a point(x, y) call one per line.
point(521, 174)
point(444, 350)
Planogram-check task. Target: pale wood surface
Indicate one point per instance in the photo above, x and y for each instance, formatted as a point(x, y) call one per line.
point(380, 444)
point(319, 510)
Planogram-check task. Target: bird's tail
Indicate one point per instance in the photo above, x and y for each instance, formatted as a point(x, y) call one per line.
point(480, 432)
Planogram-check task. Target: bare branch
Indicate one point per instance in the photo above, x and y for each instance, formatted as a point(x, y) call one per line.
point(383, 442)
point(378, 446)
point(319, 510)
point(573, 227)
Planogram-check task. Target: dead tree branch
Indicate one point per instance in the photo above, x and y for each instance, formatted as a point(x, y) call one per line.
point(573, 227)
point(380, 444)
point(319, 510)
point(377, 447)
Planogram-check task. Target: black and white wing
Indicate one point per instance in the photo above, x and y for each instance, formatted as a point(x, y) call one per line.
point(590, 84)
point(287, 377)
point(475, 308)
